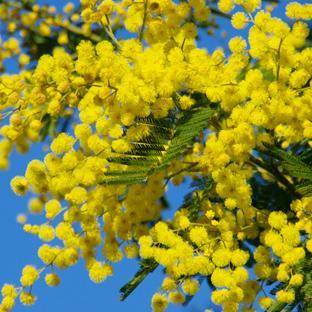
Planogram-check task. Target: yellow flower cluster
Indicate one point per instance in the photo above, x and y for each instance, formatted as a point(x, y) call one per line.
point(296, 10)
point(36, 24)
point(208, 249)
point(281, 240)
point(261, 92)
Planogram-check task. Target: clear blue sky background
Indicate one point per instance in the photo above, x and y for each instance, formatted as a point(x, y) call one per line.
point(76, 292)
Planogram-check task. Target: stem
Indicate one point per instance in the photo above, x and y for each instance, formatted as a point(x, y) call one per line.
point(110, 33)
point(78, 31)
point(192, 165)
point(275, 172)
point(71, 27)
point(59, 213)
point(278, 60)
point(218, 12)
point(182, 45)
point(144, 21)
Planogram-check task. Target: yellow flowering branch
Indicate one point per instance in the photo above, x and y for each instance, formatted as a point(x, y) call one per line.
point(68, 26)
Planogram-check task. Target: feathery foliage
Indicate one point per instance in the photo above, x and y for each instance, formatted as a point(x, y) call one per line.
point(167, 140)
point(299, 166)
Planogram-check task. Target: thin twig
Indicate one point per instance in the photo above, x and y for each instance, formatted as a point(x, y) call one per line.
point(70, 27)
point(78, 31)
point(144, 21)
point(218, 12)
point(110, 33)
point(275, 172)
point(192, 165)
point(183, 42)
point(278, 60)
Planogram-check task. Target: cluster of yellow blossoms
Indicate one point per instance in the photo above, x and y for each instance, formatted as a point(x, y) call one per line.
point(262, 92)
point(30, 26)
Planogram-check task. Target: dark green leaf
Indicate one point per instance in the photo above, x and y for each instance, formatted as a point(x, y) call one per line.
point(146, 266)
point(167, 140)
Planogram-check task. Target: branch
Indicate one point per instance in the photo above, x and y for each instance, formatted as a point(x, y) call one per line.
point(279, 60)
point(144, 21)
point(78, 31)
point(192, 165)
point(218, 12)
point(110, 33)
point(70, 27)
point(275, 172)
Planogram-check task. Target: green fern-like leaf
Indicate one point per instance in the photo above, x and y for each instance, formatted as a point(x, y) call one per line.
point(277, 307)
point(169, 138)
point(294, 164)
point(305, 291)
point(305, 188)
point(298, 165)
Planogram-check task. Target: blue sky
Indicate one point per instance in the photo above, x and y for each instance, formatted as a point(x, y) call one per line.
point(76, 292)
